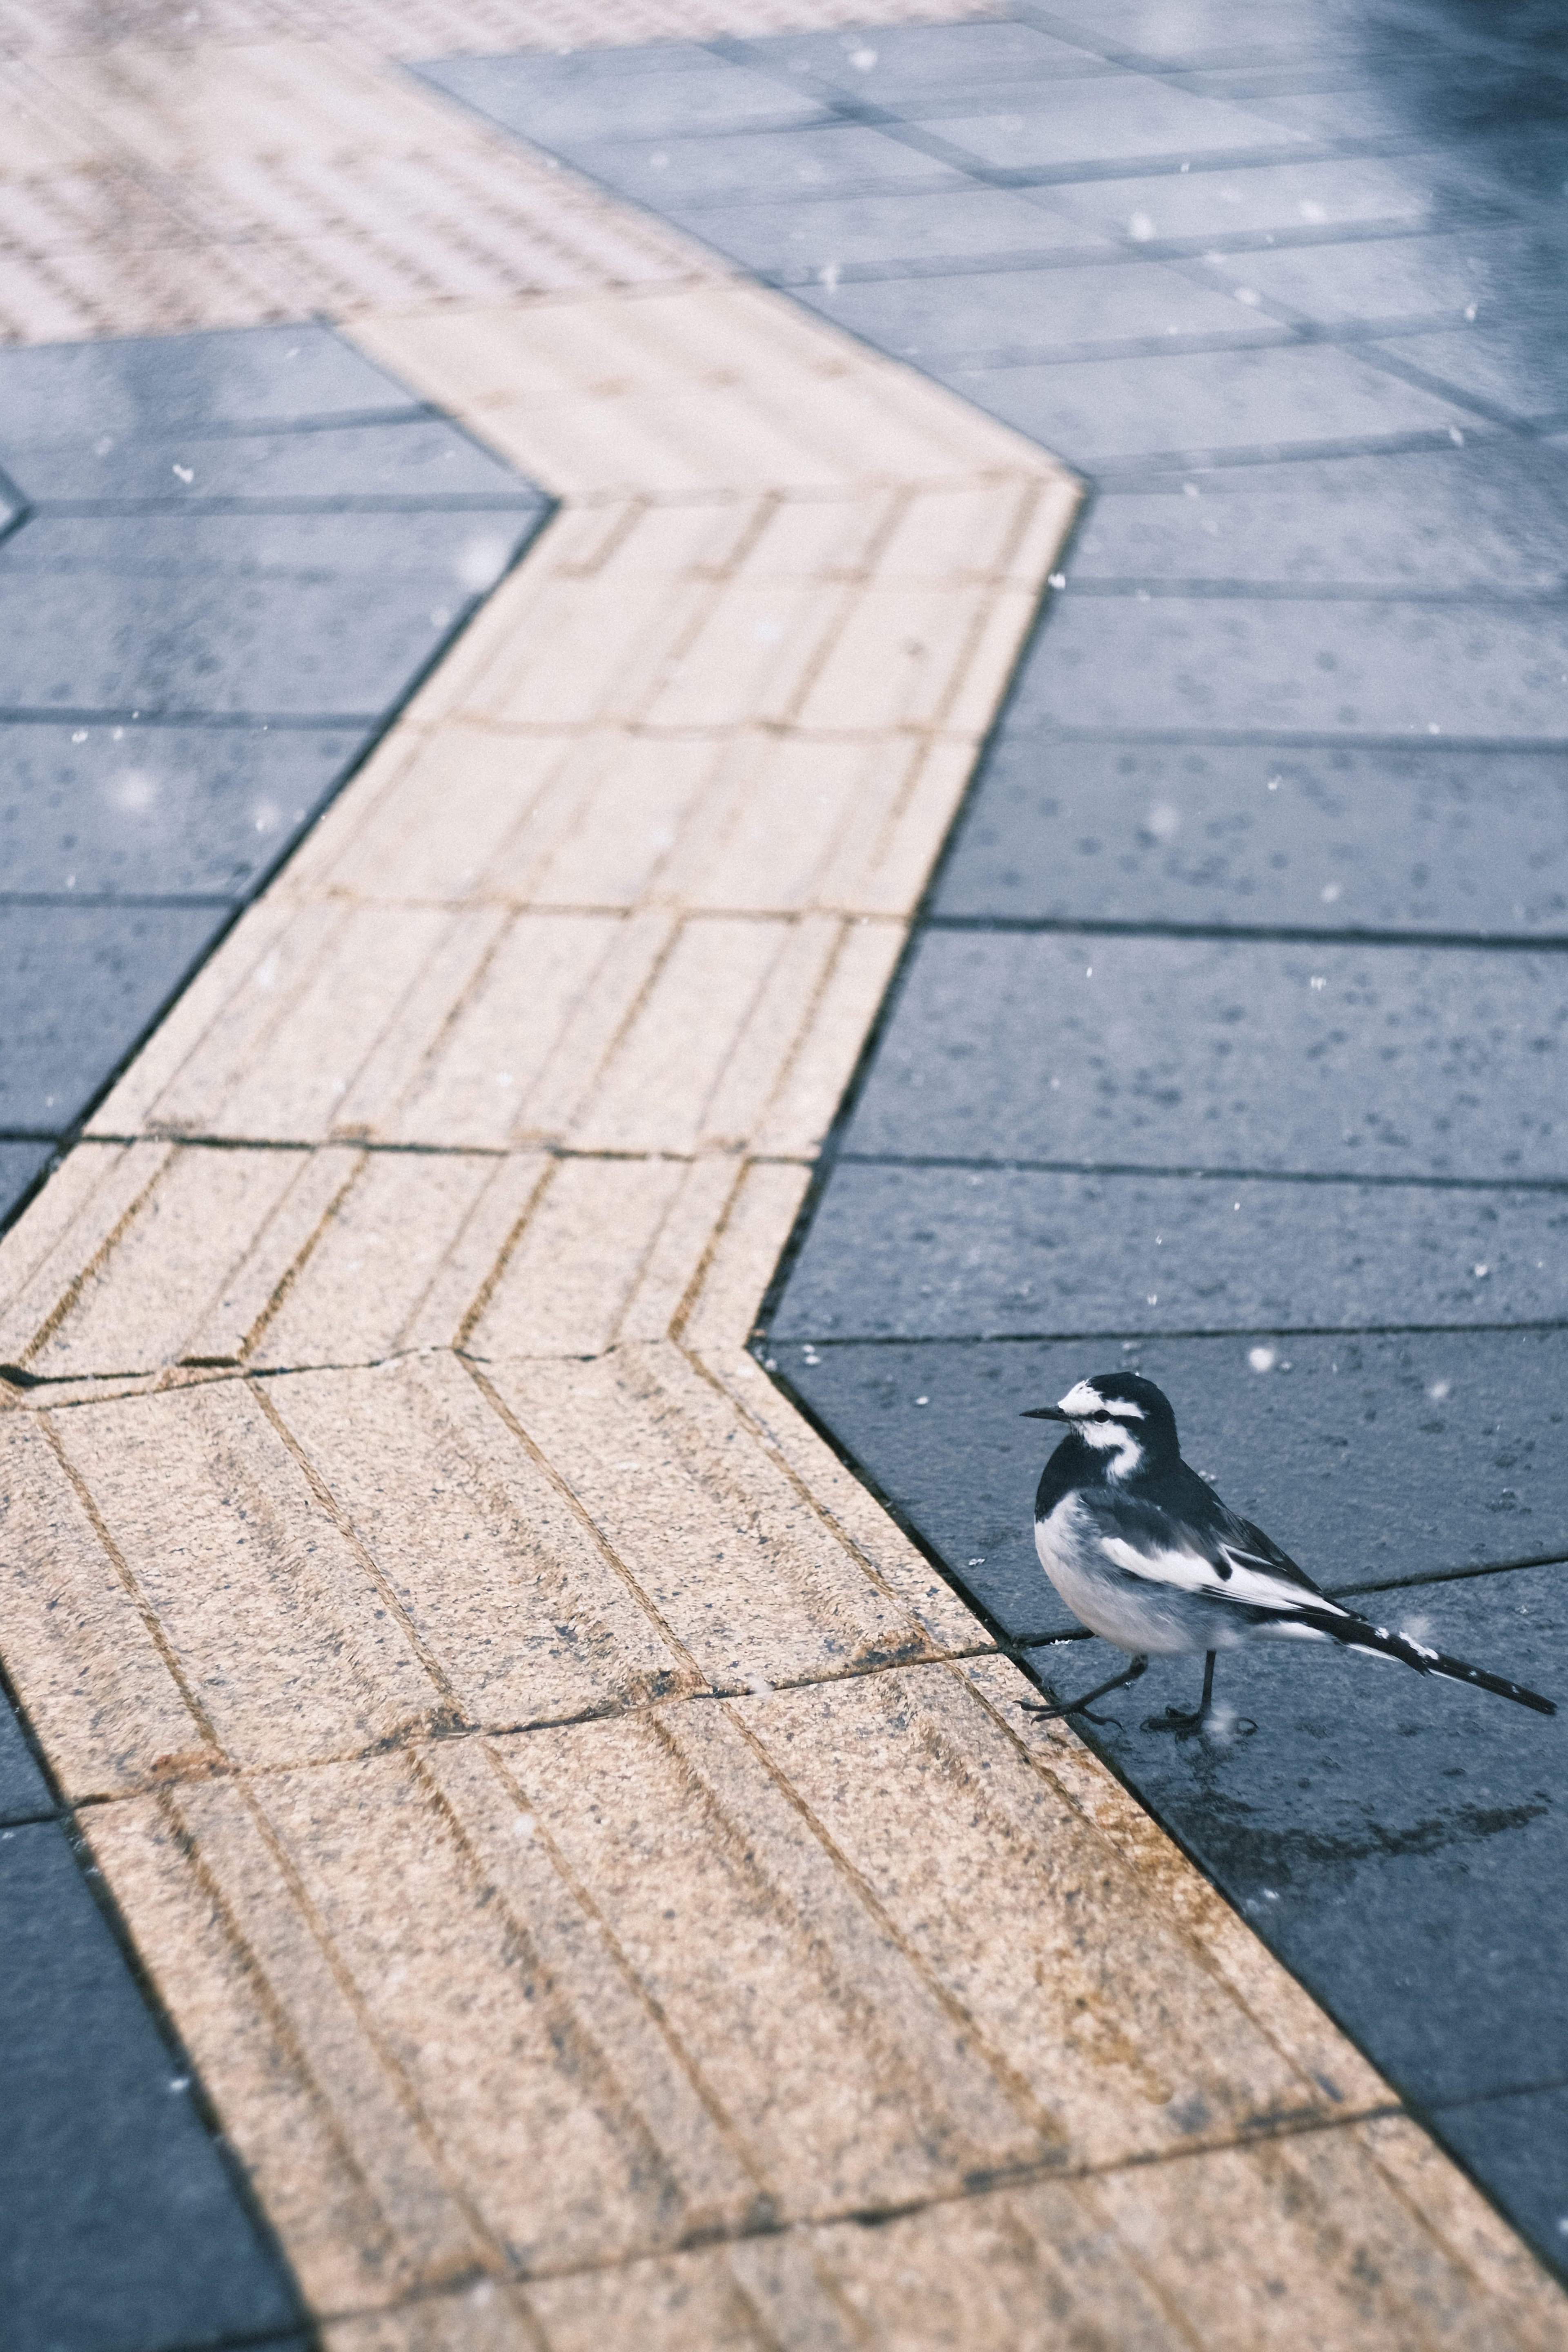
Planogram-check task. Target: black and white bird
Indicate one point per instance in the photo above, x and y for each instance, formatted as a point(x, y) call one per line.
point(1146, 1555)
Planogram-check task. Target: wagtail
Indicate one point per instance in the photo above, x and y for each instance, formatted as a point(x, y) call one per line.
point(1146, 1555)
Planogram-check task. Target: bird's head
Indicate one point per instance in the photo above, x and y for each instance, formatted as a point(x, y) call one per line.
point(1122, 1417)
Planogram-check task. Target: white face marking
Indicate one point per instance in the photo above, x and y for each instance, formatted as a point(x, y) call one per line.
point(1114, 1435)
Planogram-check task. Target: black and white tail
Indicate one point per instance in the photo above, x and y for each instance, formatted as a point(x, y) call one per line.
point(1376, 1641)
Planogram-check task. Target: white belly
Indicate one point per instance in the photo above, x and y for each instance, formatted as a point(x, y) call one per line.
point(1154, 1624)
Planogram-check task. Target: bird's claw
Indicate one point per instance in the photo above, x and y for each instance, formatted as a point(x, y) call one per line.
point(1057, 1714)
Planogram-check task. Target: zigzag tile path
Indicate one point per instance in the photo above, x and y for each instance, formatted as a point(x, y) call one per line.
point(591, 1858)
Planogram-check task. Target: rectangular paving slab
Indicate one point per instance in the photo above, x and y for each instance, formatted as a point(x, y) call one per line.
point(81, 983)
point(1234, 1054)
point(898, 1252)
point(132, 809)
point(1264, 835)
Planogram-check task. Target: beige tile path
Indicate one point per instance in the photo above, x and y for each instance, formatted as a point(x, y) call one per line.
point(601, 1871)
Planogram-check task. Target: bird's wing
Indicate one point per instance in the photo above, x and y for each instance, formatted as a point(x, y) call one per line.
point(1159, 1547)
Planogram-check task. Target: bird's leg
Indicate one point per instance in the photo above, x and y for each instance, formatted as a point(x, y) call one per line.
point(1080, 1705)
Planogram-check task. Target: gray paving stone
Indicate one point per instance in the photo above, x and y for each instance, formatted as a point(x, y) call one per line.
point(1295, 198)
point(80, 985)
point(20, 1165)
point(150, 811)
point(937, 1253)
point(1115, 415)
point(1459, 278)
point(1515, 2146)
point(908, 65)
point(1202, 1054)
point(416, 462)
point(152, 384)
point(1520, 371)
point(1029, 313)
point(1491, 514)
point(1112, 117)
point(798, 239)
point(1200, 29)
point(1371, 1458)
point(845, 158)
point(1347, 838)
point(559, 101)
point(238, 613)
point(123, 2231)
point(1493, 672)
point(24, 1792)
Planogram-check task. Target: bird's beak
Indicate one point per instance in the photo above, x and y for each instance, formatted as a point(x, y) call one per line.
point(1046, 1413)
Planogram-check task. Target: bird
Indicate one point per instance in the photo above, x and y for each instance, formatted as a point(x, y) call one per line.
point(1146, 1555)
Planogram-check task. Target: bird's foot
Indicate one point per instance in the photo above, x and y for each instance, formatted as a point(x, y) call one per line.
point(1057, 1713)
point(1178, 1722)
point(1181, 1725)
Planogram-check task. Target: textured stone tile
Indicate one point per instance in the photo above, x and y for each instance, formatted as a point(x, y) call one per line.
point(234, 1554)
point(1319, 2213)
point(845, 1503)
point(1179, 1054)
point(532, 1618)
point(948, 1253)
point(510, 2026)
point(1121, 2044)
point(1515, 2146)
point(798, 2009)
point(1458, 1466)
point(658, 1458)
point(287, 2047)
point(1329, 839)
point(484, 2317)
point(123, 2225)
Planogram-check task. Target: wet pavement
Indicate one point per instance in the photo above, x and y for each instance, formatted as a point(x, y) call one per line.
point(229, 558)
point(1231, 1044)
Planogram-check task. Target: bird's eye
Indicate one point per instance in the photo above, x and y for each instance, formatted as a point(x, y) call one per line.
point(1100, 1416)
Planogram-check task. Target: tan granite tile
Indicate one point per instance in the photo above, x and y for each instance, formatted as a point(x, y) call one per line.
point(88, 1659)
point(530, 1617)
point(725, 1548)
point(839, 1499)
point(289, 2046)
point(276, 1625)
point(840, 2068)
point(1292, 2019)
point(986, 1871)
point(1300, 2240)
point(537, 2071)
